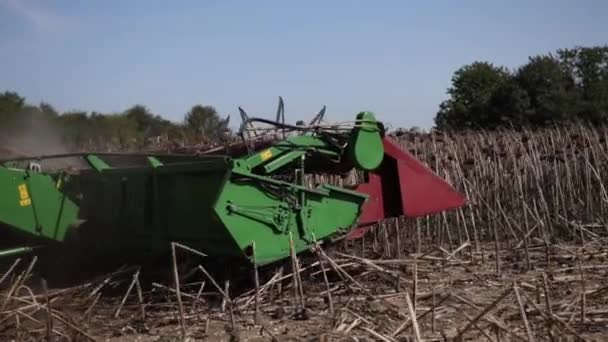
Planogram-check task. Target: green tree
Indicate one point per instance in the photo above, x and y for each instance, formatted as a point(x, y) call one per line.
point(508, 106)
point(149, 125)
point(479, 97)
point(120, 132)
point(76, 127)
point(141, 116)
point(549, 88)
point(588, 66)
point(10, 101)
point(202, 122)
point(11, 104)
point(48, 110)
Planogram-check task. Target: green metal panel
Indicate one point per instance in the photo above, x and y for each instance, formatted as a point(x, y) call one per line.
point(15, 204)
point(366, 150)
point(251, 213)
point(282, 160)
point(32, 203)
point(54, 211)
point(288, 149)
point(97, 163)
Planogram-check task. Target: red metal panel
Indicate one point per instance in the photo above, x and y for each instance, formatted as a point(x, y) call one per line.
point(373, 209)
point(422, 191)
point(403, 186)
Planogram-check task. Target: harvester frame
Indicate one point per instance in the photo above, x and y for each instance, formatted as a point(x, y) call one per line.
point(223, 201)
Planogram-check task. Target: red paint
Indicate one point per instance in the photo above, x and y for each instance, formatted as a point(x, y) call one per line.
point(373, 209)
point(403, 186)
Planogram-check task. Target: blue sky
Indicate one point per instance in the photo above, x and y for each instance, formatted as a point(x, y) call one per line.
point(393, 57)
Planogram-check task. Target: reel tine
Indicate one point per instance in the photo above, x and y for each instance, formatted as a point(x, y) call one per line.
point(281, 114)
point(317, 119)
point(281, 111)
point(245, 117)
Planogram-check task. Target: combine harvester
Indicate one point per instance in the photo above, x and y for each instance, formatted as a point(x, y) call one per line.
point(130, 206)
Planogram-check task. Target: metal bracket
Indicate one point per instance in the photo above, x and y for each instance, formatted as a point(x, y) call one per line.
point(35, 167)
point(277, 217)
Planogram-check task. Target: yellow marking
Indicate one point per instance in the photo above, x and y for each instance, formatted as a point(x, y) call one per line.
point(266, 155)
point(59, 183)
point(24, 195)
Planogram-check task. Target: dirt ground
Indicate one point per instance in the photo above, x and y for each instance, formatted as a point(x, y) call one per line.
point(456, 293)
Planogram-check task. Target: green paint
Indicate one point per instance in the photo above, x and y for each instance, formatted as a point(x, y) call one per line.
point(32, 203)
point(97, 163)
point(366, 150)
point(284, 159)
point(154, 162)
point(290, 149)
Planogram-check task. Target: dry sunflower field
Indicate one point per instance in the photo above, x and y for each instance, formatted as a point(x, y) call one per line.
point(524, 260)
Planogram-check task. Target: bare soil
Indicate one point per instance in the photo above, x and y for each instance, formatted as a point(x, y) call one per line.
point(456, 292)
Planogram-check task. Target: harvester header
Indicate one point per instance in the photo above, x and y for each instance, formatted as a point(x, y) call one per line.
point(222, 201)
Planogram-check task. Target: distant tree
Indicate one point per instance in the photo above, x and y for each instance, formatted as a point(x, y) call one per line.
point(508, 106)
point(549, 88)
point(76, 127)
point(11, 101)
point(149, 125)
point(120, 131)
point(570, 85)
point(11, 104)
point(478, 98)
point(48, 109)
point(141, 116)
point(162, 126)
point(202, 122)
point(588, 66)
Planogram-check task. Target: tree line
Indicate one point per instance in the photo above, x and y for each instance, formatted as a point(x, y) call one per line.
point(570, 85)
point(556, 88)
point(135, 128)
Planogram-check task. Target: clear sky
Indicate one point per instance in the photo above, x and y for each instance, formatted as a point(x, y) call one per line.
point(393, 57)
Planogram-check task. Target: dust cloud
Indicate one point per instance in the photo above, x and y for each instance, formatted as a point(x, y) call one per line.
point(35, 136)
